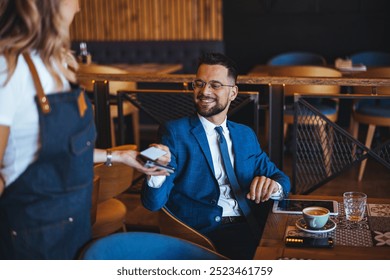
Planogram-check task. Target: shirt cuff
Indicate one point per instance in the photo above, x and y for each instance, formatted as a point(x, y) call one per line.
point(156, 181)
point(279, 195)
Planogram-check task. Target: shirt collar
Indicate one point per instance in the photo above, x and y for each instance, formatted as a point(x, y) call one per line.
point(209, 127)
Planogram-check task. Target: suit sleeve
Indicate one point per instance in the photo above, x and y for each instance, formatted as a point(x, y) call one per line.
point(265, 167)
point(154, 199)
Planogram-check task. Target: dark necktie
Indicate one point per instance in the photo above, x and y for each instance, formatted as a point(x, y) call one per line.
point(238, 194)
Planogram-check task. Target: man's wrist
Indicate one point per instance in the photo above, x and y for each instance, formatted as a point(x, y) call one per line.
point(155, 181)
point(279, 194)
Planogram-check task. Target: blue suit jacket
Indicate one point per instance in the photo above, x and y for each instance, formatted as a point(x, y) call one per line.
point(192, 192)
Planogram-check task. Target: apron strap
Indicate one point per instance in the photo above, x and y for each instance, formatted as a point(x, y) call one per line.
point(42, 99)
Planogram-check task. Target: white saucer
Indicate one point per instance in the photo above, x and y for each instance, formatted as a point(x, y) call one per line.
point(329, 226)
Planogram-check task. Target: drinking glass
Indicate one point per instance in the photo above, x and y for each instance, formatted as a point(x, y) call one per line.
point(354, 205)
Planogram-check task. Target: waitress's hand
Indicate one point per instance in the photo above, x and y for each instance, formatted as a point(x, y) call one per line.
point(129, 157)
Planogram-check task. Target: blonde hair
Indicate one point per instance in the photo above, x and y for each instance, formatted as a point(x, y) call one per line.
point(35, 25)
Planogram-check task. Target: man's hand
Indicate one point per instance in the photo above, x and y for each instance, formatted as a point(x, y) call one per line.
point(129, 157)
point(165, 159)
point(261, 189)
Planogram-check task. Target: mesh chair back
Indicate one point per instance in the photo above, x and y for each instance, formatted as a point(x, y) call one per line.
point(164, 105)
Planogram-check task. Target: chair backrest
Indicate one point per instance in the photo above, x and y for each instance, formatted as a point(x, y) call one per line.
point(114, 86)
point(180, 103)
point(95, 198)
point(114, 179)
point(307, 71)
point(380, 72)
point(371, 58)
point(146, 246)
point(297, 58)
point(170, 225)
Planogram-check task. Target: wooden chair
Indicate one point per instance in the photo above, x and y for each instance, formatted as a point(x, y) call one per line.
point(329, 110)
point(138, 218)
point(95, 195)
point(170, 225)
point(371, 112)
point(114, 180)
point(115, 86)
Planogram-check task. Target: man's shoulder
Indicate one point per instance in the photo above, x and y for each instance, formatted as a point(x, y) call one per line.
point(239, 126)
point(177, 122)
point(184, 121)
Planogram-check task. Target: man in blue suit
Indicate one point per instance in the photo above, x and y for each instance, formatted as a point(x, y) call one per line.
point(199, 192)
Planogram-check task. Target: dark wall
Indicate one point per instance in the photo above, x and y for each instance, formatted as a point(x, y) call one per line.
point(255, 30)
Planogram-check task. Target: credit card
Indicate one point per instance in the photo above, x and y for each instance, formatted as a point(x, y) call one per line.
point(153, 153)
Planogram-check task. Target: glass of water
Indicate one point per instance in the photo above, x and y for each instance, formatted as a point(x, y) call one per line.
point(354, 205)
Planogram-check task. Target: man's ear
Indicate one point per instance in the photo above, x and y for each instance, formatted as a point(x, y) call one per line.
point(233, 93)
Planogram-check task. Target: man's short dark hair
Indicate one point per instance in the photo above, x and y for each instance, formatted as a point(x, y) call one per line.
point(219, 59)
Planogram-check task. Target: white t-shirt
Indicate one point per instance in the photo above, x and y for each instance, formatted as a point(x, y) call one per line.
point(18, 110)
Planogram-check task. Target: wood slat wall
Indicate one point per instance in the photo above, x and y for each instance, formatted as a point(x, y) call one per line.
point(136, 20)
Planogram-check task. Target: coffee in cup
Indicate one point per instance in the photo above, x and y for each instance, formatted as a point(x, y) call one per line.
point(315, 217)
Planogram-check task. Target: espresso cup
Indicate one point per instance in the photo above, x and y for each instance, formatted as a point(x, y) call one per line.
point(315, 217)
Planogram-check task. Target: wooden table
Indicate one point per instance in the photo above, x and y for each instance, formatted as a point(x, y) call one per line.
point(272, 246)
point(131, 69)
point(149, 68)
point(94, 82)
point(263, 70)
point(125, 69)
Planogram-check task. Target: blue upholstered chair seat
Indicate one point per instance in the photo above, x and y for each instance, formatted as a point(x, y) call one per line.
point(297, 58)
point(377, 108)
point(371, 58)
point(146, 246)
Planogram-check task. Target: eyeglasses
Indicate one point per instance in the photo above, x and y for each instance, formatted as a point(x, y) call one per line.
point(215, 85)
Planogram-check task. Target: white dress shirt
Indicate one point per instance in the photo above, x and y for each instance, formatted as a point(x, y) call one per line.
point(226, 198)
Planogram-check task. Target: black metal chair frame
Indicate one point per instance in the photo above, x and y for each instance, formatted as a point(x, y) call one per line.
point(309, 172)
point(165, 105)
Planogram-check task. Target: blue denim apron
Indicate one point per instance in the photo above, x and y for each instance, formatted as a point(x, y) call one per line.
point(45, 213)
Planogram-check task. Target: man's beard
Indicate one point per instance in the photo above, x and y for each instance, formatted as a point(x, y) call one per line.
point(209, 112)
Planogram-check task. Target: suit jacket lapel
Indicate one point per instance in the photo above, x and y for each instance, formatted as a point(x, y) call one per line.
point(237, 140)
point(200, 136)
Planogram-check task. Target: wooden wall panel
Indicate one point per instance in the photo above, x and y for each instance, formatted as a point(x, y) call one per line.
point(136, 20)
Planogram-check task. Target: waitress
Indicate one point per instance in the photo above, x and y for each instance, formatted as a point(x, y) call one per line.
point(47, 135)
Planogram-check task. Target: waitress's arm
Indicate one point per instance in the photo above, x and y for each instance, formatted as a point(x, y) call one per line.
point(128, 157)
point(4, 134)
